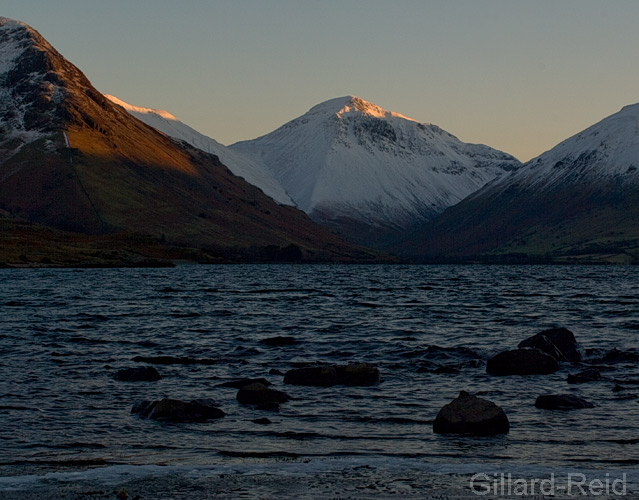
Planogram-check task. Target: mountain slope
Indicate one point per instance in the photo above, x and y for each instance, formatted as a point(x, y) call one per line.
point(71, 159)
point(242, 166)
point(578, 200)
point(369, 172)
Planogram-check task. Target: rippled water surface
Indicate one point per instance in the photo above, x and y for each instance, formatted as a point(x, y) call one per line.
point(64, 333)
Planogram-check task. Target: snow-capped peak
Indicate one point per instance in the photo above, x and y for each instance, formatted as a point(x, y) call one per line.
point(352, 105)
point(10, 45)
point(22, 67)
point(349, 159)
point(8, 23)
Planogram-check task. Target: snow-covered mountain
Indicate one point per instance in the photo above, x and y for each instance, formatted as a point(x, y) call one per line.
point(350, 164)
point(72, 160)
point(606, 151)
point(580, 198)
point(239, 164)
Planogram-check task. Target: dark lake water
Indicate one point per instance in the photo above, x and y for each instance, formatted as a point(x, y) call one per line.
point(64, 333)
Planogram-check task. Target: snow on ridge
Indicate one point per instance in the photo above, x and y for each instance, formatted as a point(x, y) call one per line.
point(8, 23)
point(137, 109)
point(10, 46)
point(242, 166)
point(606, 150)
point(342, 106)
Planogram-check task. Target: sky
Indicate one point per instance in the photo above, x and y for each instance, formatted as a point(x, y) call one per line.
point(517, 75)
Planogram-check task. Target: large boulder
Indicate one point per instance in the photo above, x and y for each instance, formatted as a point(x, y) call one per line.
point(561, 402)
point(468, 414)
point(559, 343)
point(138, 374)
point(259, 394)
point(356, 374)
point(522, 362)
point(174, 410)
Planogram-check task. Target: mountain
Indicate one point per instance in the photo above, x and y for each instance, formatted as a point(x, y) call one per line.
point(372, 173)
point(577, 202)
point(240, 165)
point(72, 160)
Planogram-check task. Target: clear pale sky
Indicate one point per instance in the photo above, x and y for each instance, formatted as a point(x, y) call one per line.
point(517, 75)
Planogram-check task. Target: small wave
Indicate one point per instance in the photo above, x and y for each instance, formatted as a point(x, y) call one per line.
point(259, 454)
point(370, 305)
point(84, 340)
point(185, 315)
point(392, 420)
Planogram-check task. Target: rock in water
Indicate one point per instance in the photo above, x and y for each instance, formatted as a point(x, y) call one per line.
point(174, 410)
point(522, 362)
point(559, 343)
point(561, 402)
point(321, 376)
point(588, 375)
point(243, 382)
point(259, 394)
point(138, 374)
point(468, 414)
point(356, 374)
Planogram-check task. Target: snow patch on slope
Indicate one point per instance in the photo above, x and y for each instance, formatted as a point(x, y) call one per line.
point(240, 165)
point(15, 38)
point(350, 158)
point(10, 46)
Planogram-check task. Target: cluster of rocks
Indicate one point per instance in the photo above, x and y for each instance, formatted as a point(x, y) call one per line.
point(251, 391)
point(537, 355)
point(466, 414)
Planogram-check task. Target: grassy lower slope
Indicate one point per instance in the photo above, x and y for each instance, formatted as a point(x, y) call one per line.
point(582, 224)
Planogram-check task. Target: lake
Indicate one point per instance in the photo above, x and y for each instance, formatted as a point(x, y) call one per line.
point(65, 333)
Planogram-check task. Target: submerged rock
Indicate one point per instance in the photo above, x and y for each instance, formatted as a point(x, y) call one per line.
point(322, 376)
point(561, 402)
point(356, 374)
point(522, 362)
point(588, 375)
point(262, 421)
point(615, 356)
point(279, 341)
point(174, 410)
point(272, 407)
point(468, 414)
point(259, 394)
point(138, 374)
point(238, 384)
point(560, 343)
